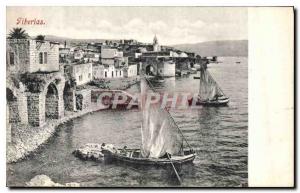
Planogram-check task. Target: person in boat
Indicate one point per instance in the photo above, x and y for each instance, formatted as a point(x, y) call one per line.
point(217, 96)
point(167, 155)
point(109, 147)
point(124, 150)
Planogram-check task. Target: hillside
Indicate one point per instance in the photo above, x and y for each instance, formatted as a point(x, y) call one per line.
point(217, 48)
point(71, 40)
point(212, 48)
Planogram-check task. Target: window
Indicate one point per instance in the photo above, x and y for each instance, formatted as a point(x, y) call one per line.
point(112, 73)
point(116, 73)
point(41, 58)
point(89, 75)
point(120, 73)
point(11, 58)
point(45, 57)
point(105, 74)
point(80, 77)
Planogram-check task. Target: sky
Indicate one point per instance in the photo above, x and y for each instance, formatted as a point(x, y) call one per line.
point(172, 25)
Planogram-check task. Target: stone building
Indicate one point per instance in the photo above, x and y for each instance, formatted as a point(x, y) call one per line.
point(91, 57)
point(111, 56)
point(108, 53)
point(130, 71)
point(64, 54)
point(107, 71)
point(78, 54)
point(82, 73)
point(26, 55)
point(35, 84)
point(162, 66)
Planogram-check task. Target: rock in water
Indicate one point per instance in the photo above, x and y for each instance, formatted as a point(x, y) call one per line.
point(45, 181)
point(91, 151)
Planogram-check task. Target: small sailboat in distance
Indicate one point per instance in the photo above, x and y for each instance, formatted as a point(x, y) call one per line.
point(210, 94)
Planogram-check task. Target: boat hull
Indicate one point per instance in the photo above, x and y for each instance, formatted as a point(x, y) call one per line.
point(177, 160)
point(221, 102)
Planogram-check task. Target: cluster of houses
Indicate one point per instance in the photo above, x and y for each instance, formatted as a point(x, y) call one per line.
point(42, 76)
point(121, 59)
point(101, 60)
point(95, 61)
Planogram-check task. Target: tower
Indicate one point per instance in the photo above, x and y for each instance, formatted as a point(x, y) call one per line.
point(156, 46)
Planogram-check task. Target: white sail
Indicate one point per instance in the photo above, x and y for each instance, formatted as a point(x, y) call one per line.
point(160, 135)
point(209, 89)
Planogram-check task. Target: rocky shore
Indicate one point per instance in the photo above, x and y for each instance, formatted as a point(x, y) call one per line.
point(115, 84)
point(27, 139)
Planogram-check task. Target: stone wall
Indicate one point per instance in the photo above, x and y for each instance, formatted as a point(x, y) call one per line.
point(69, 98)
point(51, 107)
point(82, 73)
point(22, 106)
point(36, 102)
point(17, 103)
point(8, 126)
point(26, 56)
point(13, 110)
point(98, 71)
point(166, 68)
point(20, 50)
point(34, 112)
point(52, 63)
point(83, 99)
point(131, 71)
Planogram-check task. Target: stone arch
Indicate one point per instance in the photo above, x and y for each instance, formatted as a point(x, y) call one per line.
point(149, 70)
point(79, 102)
point(13, 108)
point(16, 96)
point(51, 102)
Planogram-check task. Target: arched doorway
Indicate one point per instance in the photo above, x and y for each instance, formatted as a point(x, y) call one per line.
point(13, 109)
point(79, 100)
point(51, 102)
point(149, 70)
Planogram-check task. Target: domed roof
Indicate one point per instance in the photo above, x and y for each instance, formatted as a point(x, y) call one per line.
point(174, 54)
point(183, 55)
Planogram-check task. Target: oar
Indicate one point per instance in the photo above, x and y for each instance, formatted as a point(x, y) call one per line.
point(177, 175)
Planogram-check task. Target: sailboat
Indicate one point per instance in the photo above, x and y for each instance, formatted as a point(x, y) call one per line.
point(210, 94)
point(162, 140)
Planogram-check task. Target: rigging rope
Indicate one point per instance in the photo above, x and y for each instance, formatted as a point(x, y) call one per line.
point(215, 82)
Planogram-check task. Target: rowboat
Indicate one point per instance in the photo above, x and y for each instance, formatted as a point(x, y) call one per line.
point(134, 156)
point(221, 101)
